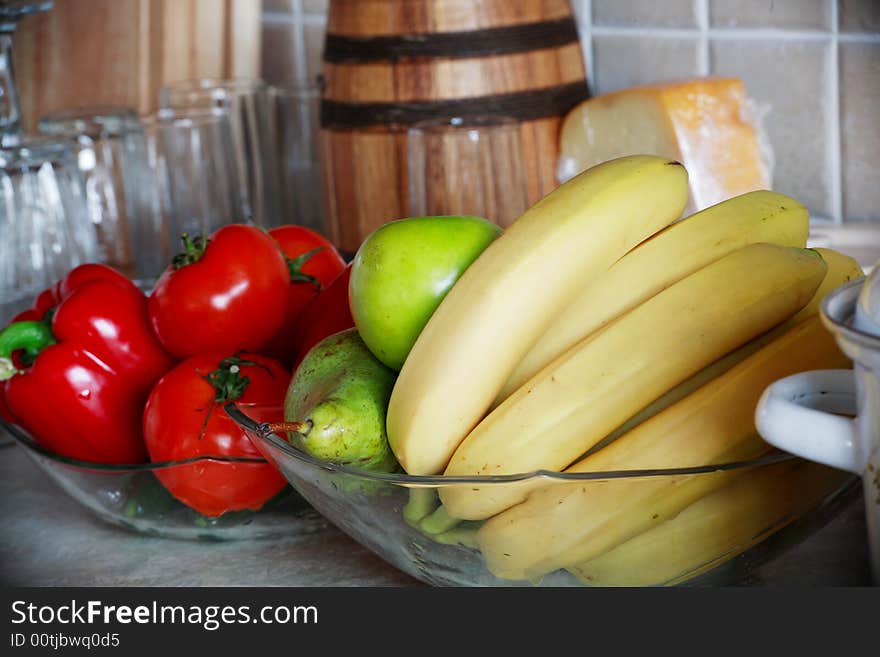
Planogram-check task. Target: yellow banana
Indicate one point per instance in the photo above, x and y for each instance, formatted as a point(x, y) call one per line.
point(569, 523)
point(715, 528)
point(597, 385)
point(663, 259)
point(507, 298)
point(841, 269)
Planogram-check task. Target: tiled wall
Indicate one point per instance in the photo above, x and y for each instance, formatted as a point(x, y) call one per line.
point(814, 64)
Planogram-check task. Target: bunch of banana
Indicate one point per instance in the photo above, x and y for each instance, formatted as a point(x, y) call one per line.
point(562, 524)
point(715, 528)
point(576, 400)
point(596, 334)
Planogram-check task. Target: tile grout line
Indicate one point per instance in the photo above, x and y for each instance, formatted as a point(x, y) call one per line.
point(834, 142)
point(730, 33)
point(701, 10)
point(589, 51)
point(855, 37)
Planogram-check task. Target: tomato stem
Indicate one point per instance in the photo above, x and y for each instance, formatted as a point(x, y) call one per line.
point(295, 265)
point(228, 382)
point(193, 250)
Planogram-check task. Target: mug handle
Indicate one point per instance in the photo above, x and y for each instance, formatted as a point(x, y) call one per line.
point(796, 415)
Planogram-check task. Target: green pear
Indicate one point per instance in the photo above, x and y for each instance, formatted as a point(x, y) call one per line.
point(340, 393)
point(402, 272)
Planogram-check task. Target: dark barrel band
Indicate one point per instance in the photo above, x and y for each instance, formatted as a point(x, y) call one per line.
point(473, 43)
point(522, 106)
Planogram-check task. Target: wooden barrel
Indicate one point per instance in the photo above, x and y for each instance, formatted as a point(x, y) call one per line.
point(389, 64)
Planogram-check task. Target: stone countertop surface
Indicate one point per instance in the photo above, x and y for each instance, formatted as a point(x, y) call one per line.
point(49, 540)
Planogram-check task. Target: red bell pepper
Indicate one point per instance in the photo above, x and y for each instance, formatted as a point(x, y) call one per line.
point(79, 365)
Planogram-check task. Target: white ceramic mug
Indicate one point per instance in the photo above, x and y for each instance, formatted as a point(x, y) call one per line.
point(804, 413)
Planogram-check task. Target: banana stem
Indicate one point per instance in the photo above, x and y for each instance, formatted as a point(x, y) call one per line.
point(464, 536)
point(422, 502)
point(438, 522)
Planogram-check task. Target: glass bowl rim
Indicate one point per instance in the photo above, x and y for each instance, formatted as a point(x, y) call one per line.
point(186, 117)
point(264, 432)
point(838, 308)
point(209, 82)
point(93, 121)
point(32, 151)
point(26, 441)
point(216, 88)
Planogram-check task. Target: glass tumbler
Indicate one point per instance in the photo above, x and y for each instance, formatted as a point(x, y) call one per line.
point(44, 221)
point(11, 12)
point(467, 166)
point(195, 185)
point(253, 133)
point(297, 119)
point(111, 154)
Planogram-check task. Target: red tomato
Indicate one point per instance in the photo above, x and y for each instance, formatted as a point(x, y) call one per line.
point(225, 294)
point(329, 313)
point(313, 262)
point(184, 418)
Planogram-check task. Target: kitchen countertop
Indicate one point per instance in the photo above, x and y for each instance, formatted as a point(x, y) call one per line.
point(48, 540)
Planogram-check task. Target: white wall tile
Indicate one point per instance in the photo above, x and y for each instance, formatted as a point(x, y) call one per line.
point(860, 16)
point(860, 129)
point(630, 60)
point(791, 77)
point(640, 13)
point(785, 14)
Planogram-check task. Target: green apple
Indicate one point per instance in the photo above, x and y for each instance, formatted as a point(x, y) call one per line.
point(401, 273)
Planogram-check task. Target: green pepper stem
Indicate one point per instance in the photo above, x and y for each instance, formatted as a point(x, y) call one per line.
point(31, 337)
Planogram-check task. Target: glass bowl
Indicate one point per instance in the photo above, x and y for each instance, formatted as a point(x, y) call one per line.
point(696, 526)
point(132, 496)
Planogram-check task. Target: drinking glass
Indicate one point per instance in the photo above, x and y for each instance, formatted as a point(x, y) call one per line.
point(296, 116)
point(111, 153)
point(12, 11)
point(253, 132)
point(44, 221)
point(467, 166)
point(195, 187)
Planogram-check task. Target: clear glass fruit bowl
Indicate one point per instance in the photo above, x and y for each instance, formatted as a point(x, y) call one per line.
point(695, 526)
point(133, 497)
